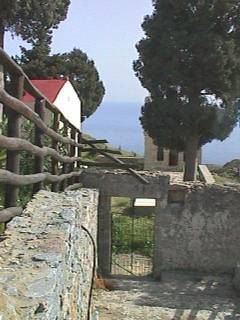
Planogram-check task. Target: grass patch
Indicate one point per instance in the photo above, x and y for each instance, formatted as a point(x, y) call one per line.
point(128, 234)
point(2, 228)
point(224, 179)
point(92, 154)
point(229, 173)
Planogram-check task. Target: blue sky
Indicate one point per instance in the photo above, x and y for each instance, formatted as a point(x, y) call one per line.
point(107, 31)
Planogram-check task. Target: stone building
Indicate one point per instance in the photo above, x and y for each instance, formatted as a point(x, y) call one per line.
point(157, 158)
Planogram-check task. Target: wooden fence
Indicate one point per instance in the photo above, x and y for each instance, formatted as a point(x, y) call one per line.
point(64, 171)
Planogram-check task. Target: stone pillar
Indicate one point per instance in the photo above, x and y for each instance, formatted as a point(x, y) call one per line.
point(166, 158)
point(157, 256)
point(181, 160)
point(104, 235)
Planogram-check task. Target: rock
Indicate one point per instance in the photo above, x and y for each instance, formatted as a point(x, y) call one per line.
point(46, 256)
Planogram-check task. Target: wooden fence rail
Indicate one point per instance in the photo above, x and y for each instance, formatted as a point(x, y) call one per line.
point(64, 150)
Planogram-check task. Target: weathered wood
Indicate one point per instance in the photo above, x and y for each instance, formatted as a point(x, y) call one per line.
point(137, 175)
point(85, 141)
point(1, 85)
point(79, 150)
point(23, 180)
point(24, 145)
point(65, 167)
point(38, 141)
point(79, 154)
point(2, 30)
point(12, 67)
point(29, 114)
point(9, 64)
point(9, 213)
point(74, 186)
point(72, 154)
point(13, 130)
point(18, 144)
point(99, 150)
point(55, 169)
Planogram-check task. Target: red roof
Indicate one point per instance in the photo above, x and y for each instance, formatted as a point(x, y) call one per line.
point(49, 88)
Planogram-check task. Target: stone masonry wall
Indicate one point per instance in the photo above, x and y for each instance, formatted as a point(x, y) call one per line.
point(46, 258)
point(202, 234)
point(120, 183)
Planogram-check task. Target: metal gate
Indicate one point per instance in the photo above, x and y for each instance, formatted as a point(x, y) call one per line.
point(132, 243)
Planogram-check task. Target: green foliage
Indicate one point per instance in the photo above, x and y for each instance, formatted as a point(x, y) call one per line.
point(76, 65)
point(128, 235)
point(194, 44)
point(171, 121)
point(2, 228)
point(29, 18)
point(119, 203)
point(26, 161)
point(229, 172)
point(123, 242)
point(3, 125)
point(189, 61)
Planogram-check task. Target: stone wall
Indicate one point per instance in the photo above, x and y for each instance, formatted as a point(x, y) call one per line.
point(120, 183)
point(46, 258)
point(200, 232)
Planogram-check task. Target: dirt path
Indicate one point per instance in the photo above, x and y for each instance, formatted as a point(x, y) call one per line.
point(178, 296)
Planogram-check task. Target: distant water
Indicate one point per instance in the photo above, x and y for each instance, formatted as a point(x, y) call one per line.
point(119, 124)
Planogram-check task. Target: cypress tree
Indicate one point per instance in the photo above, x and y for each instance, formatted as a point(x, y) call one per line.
point(82, 72)
point(26, 17)
point(29, 18)
point(189, 60)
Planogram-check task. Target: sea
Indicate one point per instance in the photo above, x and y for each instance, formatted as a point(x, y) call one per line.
point(118, 122)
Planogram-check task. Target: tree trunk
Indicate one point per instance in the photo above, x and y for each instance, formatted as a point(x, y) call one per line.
point(2, 29)
point(1, 67)
point(191, 153)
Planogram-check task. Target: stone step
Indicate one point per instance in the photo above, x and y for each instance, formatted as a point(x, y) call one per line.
point(205, 174)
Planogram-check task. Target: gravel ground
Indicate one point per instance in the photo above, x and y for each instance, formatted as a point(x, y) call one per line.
point(179, 296)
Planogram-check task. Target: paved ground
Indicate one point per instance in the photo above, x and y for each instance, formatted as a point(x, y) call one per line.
point(181, 296)
point(175, 177)
point(127, 264)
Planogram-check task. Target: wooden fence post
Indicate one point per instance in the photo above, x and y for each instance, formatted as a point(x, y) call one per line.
point(79, 153)
point(40, 105)
point(65, 165)
point(55, 170)
point(72, 154)
point(1, 86)
point(14, 130)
